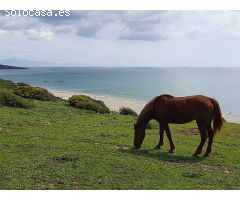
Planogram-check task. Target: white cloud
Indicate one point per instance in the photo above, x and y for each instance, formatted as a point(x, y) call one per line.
point(130, 25)
point(28, 27)
point(34, 34)
point(17, 23)
point(126, 38)
point(158, 25)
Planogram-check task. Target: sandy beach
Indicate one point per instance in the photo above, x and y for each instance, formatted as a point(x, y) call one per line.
point(115, 103)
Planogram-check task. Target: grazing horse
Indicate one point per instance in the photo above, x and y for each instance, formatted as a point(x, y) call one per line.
point(180, 110)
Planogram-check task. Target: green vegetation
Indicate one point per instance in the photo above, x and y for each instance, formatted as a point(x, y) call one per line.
point(25, 90)
point(6, 84)
point(127, 111)
point(87, 103)
point(7, 98)
point(30, 92)
point(55, 146)
point(22, 84)
point(152, 125)
point(14, 94)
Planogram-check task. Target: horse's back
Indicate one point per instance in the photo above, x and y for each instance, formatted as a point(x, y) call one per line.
point(196, 100)
point(184, 101)
point(183, 109)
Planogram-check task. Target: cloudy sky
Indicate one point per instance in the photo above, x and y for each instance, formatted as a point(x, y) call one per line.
point(125, 38)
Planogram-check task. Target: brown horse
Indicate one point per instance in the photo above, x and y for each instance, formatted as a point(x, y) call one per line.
point(180, 110)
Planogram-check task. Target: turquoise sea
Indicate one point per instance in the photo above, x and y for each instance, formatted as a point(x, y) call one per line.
point(138, 83)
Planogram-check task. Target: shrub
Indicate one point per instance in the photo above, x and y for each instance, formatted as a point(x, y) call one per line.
point(152, 125)
point(149, 126)
point(22, 84)
point(87, 103)
point(127, 111)
point(5, 84)
point(7, 98)
point(30, 92)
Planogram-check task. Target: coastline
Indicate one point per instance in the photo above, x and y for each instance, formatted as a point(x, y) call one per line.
point(115, 103)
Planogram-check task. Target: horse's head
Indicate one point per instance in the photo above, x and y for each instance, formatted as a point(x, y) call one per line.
point(139, 136)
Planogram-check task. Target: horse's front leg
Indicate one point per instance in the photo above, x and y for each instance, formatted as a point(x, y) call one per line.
point(161, 132)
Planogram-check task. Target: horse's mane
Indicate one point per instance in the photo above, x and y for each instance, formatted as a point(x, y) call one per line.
point(166, 95)
point(148, 108)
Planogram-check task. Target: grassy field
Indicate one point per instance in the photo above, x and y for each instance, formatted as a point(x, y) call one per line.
point(54, 146)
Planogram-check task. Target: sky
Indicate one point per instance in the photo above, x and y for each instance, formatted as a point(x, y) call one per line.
point(124, 38)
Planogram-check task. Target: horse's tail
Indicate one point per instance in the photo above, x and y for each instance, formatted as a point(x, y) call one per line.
point(217, 116)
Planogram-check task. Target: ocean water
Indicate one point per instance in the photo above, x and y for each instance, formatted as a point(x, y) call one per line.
point(138, 83)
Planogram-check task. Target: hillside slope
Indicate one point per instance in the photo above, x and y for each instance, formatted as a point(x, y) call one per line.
point(55, 146)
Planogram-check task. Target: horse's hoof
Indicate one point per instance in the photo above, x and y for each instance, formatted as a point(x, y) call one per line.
point(171, 151)
point(206, 155)
point(157, 147)
point(196, 155)
point(134, 148)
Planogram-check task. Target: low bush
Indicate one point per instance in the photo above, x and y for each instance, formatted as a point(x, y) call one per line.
point(149, 126)
point(22, 84)
point(30, 92)
point(87, 103)
point(127, 111)
point(7, 98)
point(6, 84)
point(152, 125)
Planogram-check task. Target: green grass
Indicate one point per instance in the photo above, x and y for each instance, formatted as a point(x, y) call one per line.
point(55, 146)
point(6, 84)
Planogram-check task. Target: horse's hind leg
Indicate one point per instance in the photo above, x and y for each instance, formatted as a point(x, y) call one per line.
point(203, 134)
point(169, 136)
point(161, 132)
point(210, 137)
